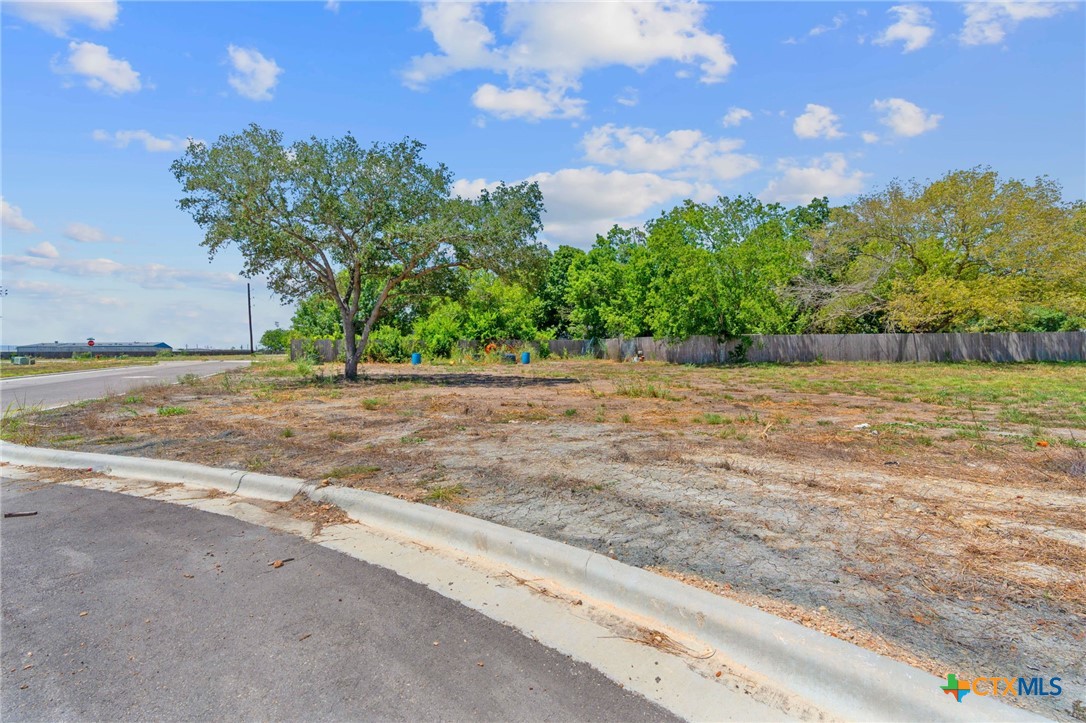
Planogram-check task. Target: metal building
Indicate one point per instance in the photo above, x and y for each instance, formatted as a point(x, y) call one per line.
point(64, 350)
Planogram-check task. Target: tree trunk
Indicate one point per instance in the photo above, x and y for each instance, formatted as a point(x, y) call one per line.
point(350, 349)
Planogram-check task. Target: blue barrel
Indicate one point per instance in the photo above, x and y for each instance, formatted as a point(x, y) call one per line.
point(525, 357)
point(416, 358)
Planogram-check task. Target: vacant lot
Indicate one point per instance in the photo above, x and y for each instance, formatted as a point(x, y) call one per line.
point(935, 513)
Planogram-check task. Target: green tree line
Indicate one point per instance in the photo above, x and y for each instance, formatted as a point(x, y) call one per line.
point(967, 252)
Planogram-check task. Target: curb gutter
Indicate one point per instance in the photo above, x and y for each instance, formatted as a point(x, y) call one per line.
point(840, 679)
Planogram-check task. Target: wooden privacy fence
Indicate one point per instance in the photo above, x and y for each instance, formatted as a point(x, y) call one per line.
point(1002, 347)
point(326, 350)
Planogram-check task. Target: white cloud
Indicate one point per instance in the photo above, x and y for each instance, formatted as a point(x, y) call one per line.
point(550, 45)
point(254, 76)
point(828, 175)
point(57, 16)
point(987, 23)
point(582, 202)
point(99, 69)
point(332, 6)
point(628, 98)
point(913, 28)
point(148, 276)
point(44, 250)
point(838, 22)
point(84, 233)
point(870, 137)
point(12, 217)
point(64, 293)
point(735, 116)
point(818, 121)
point(905, 118)
point(687, 153)
point(528, 103)
point(121, 139)
point(69, 267)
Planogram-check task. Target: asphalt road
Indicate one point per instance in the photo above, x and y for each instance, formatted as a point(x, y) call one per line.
point(56, 390)
point(120, 608)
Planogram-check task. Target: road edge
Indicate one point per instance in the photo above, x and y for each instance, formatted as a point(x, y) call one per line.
point(839, 678)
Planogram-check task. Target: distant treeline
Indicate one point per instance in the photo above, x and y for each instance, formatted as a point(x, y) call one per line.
point(968, 252)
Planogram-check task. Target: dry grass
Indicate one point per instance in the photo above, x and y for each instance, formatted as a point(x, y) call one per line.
point(321, 514)
point(922, 488)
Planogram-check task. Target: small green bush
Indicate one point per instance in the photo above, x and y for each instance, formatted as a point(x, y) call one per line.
point(172, 411)
point(388, 345)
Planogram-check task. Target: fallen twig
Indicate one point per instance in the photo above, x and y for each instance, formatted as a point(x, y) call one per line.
point(662, 641)
point(540, 589)
point(20, 514)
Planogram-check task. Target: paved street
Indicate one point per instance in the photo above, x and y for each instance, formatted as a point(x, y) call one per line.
point(55, 390)
point(119, 608)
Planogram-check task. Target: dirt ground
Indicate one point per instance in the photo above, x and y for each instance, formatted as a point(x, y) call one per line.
point(933, 513)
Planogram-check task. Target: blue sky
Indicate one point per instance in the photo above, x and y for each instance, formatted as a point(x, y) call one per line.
point(617, 110)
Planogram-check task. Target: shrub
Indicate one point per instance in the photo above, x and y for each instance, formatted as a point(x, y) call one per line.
point(388, 344)
point(439, 331)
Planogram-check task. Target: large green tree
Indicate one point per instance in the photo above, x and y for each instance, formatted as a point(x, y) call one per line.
point(554, 292)
point(718, 269)
point(723, 268)
point(968, 252)
point(334, 217)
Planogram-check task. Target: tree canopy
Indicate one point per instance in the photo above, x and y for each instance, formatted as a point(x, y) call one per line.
point(967, 252)
point(358, 225)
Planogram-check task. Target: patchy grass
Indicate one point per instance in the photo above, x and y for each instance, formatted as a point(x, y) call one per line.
point(353, 470)
point(648, 391)
point(906, 467)
point(445, 494)
point(173, 411)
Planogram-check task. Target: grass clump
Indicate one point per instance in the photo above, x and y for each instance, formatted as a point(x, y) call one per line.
point(67, 438)
point(352, 470)
point(646, 391)
point(445, 493)
point(171, 411)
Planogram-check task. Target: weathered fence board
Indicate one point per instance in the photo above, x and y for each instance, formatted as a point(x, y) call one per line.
point(1003, 347)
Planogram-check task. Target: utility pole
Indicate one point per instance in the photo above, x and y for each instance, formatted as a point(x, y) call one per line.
point(249, 298)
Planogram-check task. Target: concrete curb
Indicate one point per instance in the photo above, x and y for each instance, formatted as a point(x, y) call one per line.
point(836, 677)
point(247, 484)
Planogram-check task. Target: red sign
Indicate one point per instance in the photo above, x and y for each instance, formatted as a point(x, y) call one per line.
point(90, 342)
